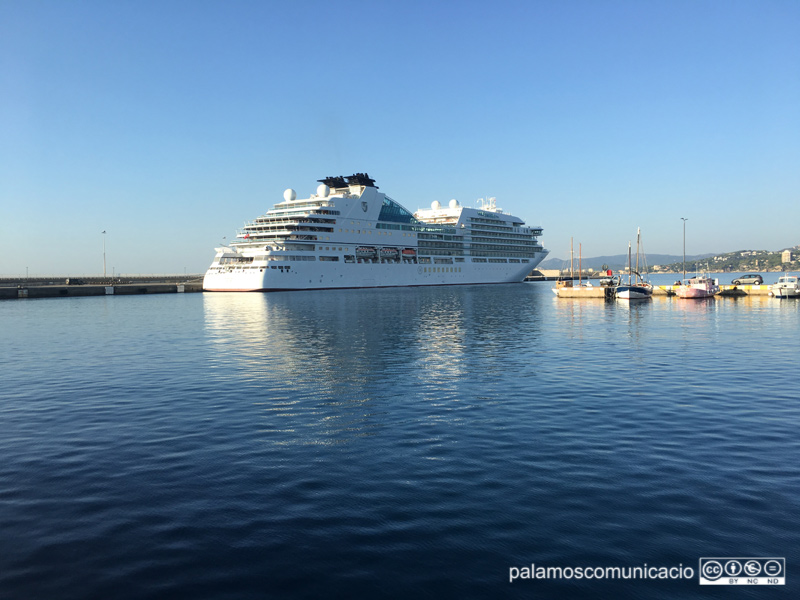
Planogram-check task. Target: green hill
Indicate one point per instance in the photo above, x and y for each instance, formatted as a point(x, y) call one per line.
point(739, 261)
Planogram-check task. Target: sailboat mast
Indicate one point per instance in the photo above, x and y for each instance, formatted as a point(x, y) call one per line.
point(571, 261)
point(580, 266)
point(684, 247)
point(629, 263)
point(638, 233)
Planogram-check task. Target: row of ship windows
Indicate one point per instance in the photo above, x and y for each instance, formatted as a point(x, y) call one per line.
point(520, 255)
point(349, 258)
point(504, 228)
point(417, 228)
point(501, 250)
point(496, 225)
point(477, 226)
point(441, 241)
point(521, 241)
point(480, 235)
point(446, 249)
point(296, 205)
point(494, 244)
point(476, 236)
point(279, 230)
point(432, 252)
point(365, 231)
point(438, 249)
point(383, 229)
point(481, 227)
point(341, 230)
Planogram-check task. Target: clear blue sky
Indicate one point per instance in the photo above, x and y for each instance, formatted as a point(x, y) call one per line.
point(168, 124)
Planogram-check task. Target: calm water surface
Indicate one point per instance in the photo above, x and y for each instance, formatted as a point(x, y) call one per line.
point(393, 443)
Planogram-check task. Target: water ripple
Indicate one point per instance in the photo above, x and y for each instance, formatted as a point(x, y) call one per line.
point(390, 442)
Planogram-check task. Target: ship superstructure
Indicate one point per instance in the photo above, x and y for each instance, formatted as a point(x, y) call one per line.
point(350, 235)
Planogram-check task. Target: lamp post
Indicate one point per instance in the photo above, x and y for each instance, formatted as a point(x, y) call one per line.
point(684, 247)
point(104, 254)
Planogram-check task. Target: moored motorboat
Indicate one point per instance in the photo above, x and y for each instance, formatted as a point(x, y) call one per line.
point(787, 286)
point(699, 286)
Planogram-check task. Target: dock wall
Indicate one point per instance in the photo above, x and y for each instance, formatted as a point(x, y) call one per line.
point(71, 291)
point(597, 291)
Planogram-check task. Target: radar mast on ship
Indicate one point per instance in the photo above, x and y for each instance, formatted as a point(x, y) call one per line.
point(489, 204)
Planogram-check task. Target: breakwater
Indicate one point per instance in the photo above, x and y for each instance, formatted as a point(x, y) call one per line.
point(65, 288)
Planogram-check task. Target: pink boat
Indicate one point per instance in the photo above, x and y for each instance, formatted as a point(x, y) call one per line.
point(699, 286)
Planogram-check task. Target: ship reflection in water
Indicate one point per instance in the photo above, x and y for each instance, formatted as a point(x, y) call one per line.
point(321, 366)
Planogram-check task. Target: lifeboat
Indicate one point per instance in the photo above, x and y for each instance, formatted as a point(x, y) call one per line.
point(366, 252)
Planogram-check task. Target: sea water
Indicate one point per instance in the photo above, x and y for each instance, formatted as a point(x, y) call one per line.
point(410, 442)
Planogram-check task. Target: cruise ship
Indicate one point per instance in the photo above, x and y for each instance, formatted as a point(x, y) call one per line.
point(350, 235)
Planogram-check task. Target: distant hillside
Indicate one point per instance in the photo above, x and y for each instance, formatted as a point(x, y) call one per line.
point(742, 260)
point(616, 262)
point(739, 261)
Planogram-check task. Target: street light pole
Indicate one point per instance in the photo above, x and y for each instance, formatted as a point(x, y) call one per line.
point(684, 247)
point(104, 254)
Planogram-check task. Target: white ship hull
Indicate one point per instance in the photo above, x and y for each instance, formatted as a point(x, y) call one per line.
point(320, 276)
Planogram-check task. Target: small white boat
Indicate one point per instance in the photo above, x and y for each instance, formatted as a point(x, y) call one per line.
point(788, 286)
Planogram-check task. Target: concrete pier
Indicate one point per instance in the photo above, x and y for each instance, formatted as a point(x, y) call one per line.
point(594, 291)
point(71, 291)
point(56, 289)
point(597, 291)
